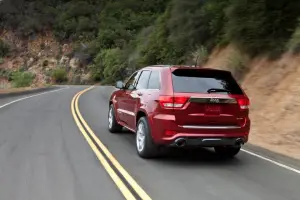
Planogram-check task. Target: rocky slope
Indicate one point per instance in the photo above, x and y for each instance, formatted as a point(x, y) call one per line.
point(274, 89)
point(39, 55)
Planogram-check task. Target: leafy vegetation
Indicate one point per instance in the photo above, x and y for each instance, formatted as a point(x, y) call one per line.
point(125, 35)
point(22, 79)
point(294, 43)
point(59, 75)
point(261, 25)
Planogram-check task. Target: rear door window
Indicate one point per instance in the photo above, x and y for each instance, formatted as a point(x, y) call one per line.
point(154, 81)
point(204, 81)
point(143, 80)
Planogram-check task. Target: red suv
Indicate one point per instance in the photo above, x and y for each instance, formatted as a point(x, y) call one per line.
point(181, 107)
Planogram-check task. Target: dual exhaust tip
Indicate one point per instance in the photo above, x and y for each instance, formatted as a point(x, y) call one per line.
point(181, 142)
point(239, 142)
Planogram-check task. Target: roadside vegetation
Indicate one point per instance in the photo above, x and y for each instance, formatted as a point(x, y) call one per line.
point(121, 36)
point(22, 79)
point(59, 75)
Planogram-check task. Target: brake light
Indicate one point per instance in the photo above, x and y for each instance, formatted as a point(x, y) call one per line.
point(170, 133)
point(172, 102)
point(244, 103)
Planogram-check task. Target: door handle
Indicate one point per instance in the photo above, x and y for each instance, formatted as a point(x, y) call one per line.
point(140, 94)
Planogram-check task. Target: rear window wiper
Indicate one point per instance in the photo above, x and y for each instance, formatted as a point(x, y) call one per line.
point(214, 90)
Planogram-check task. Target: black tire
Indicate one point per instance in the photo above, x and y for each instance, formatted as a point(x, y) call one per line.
point(149, 150)
point(114, 127)
point(228, 151)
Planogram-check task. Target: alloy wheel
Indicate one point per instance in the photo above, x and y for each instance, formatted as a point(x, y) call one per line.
point(140, 137)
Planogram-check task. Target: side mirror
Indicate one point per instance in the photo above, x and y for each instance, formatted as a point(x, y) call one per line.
point(119, 85)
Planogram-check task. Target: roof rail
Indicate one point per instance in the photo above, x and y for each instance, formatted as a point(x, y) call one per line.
point(159, 65)
point(191, 66)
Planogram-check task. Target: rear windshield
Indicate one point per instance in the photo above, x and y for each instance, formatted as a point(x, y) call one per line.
point(201, 81)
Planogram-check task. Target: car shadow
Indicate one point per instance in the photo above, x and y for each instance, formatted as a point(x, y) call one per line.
point(195, 156)
point(186, 156)
point(126, 131)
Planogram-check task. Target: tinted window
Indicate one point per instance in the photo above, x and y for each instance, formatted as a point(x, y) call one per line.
point(200, 81)
point(143, 80)
point(132, 80)
point(154, 81)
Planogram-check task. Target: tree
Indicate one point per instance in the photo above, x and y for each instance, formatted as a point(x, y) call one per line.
point(261, 25)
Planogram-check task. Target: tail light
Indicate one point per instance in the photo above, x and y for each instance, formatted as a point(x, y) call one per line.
point(170, 132)
point(172, 101)
point(244, 103)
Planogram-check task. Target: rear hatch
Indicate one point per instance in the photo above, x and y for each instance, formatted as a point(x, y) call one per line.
point(209, 98)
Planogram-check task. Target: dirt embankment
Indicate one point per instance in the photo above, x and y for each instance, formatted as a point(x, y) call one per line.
point(40, 55)
point(274, 90)
point(18, 90)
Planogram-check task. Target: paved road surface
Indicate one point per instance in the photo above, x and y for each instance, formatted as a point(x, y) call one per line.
point(43, 155)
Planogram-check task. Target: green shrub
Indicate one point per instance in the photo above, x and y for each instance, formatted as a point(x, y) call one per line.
point(4, 72)
point(294, 43)
point(22, 79)
point(261, 26)
point(213, 12)
point(96, 74)
point(1, 60)
point(130, 34)
point(59, 75)
point(113, 65)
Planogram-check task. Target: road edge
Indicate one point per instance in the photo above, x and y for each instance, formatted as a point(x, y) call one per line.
point(27, 92)
point(292, 162)
point(263, 152)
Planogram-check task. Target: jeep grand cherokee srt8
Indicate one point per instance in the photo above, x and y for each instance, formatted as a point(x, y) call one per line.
point(181, 106)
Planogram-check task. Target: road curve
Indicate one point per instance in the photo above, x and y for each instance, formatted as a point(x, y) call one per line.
point(43, 155)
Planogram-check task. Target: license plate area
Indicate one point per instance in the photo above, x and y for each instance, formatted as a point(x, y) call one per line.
point(212, 109)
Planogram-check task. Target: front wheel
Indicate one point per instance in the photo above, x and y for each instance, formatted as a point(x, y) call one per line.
point(113, 125)
point(228, 151)
point(144, 144)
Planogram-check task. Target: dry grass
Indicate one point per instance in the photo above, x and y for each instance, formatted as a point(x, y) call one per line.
point(14, 90)
point(274, 89)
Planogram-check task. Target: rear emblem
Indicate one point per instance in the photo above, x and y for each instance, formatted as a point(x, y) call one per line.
point(214, 100)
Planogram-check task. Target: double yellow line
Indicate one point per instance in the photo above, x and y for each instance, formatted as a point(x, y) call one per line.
point(125, 183)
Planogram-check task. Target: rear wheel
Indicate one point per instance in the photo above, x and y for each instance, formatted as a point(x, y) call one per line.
point(227, 151)
point(144, 144)
point(113, 125)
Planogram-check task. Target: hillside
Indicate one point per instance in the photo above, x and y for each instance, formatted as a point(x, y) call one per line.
point(80, 42)
point(273, 88)
point(107, 37)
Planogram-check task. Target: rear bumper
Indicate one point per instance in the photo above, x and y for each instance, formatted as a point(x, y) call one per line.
point(208, 142)
point(165, 131)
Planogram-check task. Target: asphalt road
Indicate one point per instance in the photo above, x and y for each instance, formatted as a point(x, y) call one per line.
point(43, 155)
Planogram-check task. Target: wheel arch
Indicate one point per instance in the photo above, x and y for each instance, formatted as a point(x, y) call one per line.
point(139, 114)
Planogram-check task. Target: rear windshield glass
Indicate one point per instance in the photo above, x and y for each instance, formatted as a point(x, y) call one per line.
point(204, 81)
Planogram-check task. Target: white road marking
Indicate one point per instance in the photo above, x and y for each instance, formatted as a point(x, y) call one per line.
point(246, 151)
point(9, 103)
point(272, 161)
